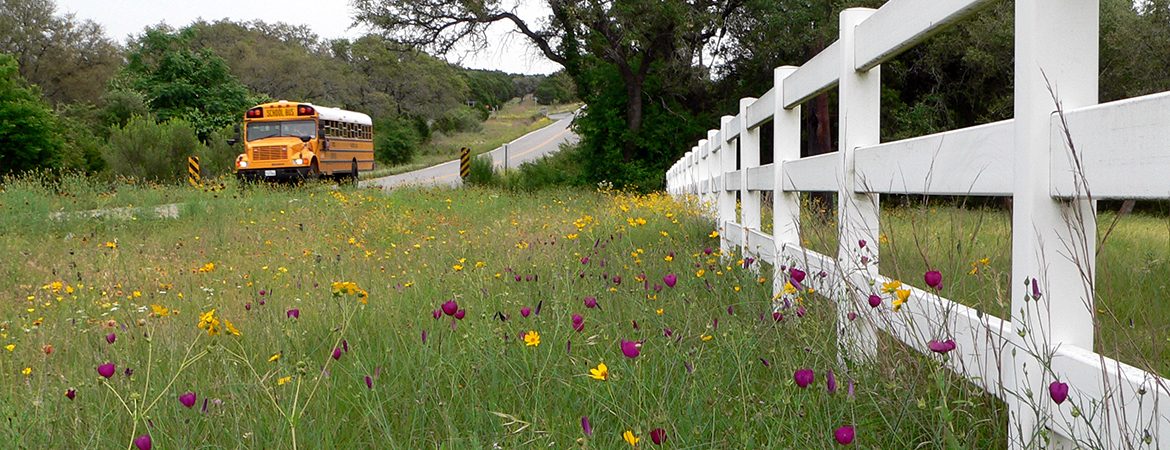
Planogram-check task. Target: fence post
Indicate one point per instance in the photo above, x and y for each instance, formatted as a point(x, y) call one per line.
point(1056, 48)
point(726, 198)
point(749, 157)
point(857, 213)
point(706, 160)
point(785, 205)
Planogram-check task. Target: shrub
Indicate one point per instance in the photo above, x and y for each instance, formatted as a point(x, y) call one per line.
point(463, 119)
point(152, 151)
point(217, 157)
point(481, 172)
point(396, 140)
point(28, 128)
point(562, 168)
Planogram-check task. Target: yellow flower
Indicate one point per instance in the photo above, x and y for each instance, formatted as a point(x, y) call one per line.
point(531, 338)
point(137, 294)
point(274, 357)
point(707, 337)
point(457, 267)
point(160, 311)
point(207, 267)
point(600, 373)
point(112, 244)
point(230, 329)
point(629, 437)
point(208, 321)
point(700, 273)
point(714, 234)
point(892, 286)
point(282, 381)
point(668, 258)
point(10, 347)
point(659, 310)
point(27, 370)
point(902, 294)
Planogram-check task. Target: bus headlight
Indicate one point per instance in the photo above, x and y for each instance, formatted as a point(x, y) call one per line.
point(298, 161)
point(243, 164)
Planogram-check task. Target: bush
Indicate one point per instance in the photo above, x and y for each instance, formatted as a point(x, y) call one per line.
point(396, 140)
point(153, 151)
point(481, 172)
point(463, 119)
point(217, 157)
point(562, 168)
point(29, 136)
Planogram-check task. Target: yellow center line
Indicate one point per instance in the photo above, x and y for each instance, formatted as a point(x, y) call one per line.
point(542, 144)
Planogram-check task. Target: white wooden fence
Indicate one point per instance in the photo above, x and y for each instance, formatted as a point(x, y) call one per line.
point(1122, 150)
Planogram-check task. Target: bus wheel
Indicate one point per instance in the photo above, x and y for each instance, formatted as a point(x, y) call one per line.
point(353, 175)
point(314, 171)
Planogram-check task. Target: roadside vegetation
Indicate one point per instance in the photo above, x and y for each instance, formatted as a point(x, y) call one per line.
point(470, 318)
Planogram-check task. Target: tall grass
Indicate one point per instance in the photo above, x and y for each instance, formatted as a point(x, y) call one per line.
point(715, 368)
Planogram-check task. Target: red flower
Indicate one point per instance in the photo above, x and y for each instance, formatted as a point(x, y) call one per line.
point(106, 370)
point(1058, 391)
point(804, 377)
point(658, 436)
point(933, 279)
point(844, 435)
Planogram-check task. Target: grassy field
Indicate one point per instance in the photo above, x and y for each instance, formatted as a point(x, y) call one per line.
point(515, 119)
point(380, 364)
point(971, 246)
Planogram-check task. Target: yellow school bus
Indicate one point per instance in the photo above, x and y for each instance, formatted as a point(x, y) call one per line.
point(290, 140)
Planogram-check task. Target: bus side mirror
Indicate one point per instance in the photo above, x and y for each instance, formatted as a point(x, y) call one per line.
point(235, 139)
point(306, 138)
point(232, 141)
point(236, 128)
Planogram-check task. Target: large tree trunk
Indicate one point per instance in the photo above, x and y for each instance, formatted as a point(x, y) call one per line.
point(633, 117)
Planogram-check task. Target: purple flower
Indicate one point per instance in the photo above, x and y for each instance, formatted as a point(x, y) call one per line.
point(590, 302)
point(670, 280)
point(187, 399)
point(850, 390)
point(337, 353)
point(293, 313)
point(261, 302)
point(248, 306)
point(585, 426)
point(766, 363)
point(525, 311)
point(831, 382)
point(747, 262)
point(436, 314)
point(71, 393)
point(844, 435)
point(657, 288)
point(667, 332)
point(584, 260)
point(578, 322)
point(658, 436)
point(345, 345)
point(942, 347)
point(617, 280)
point(106, 370)
point(707, 250)
point(460, 314)
point(424, 336)
point(777, 316)
point(690, 369)
point(875, 301)
point(1058, 391)
point(800, 312)
point(128, 371)
point(111, 338)
point(861, 243)
point(450, 307)
point(804, 377)
point(933, 279)
point(635, 322)
point(142, 442)
point(261, 292)
point(631, 348)
point(369, 382)
point(729, 310)
point(796, 274)
point(1035, 289)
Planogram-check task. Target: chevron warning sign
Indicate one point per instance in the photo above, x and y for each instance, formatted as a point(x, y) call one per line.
point(464, 162)
point(193, 171)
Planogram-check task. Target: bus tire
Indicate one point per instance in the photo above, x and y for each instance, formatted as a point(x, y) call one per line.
point(353, 175)
point(314, 171)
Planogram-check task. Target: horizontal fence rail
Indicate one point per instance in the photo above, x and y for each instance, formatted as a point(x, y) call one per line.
point(1060, 153)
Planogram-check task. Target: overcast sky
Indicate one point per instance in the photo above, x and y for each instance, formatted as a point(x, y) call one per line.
point(327, 18)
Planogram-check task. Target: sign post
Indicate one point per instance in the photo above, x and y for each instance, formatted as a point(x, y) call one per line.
point(193, 171)
point(464, 163)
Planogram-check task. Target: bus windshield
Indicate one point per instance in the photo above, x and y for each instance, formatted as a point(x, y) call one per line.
point(293, 128)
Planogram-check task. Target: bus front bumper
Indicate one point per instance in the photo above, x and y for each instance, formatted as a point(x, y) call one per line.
point(283, 173)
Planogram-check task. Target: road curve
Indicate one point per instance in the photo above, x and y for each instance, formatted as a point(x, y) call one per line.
point(525, 148)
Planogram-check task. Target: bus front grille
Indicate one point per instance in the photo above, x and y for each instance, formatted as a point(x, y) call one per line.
point(269, 153)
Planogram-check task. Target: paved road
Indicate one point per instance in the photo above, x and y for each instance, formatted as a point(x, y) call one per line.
point(528, 147)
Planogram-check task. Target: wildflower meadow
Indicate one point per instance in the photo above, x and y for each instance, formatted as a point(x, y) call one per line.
point(311, 317)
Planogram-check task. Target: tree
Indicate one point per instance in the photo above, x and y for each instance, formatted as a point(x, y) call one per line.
point(71, 61)
point(643, 42)
point(557, 88)
point(412, 83)
point(179, 83)
point(28, 128)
